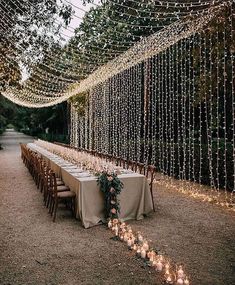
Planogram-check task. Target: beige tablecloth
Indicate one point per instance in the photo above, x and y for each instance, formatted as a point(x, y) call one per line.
point(135, 198)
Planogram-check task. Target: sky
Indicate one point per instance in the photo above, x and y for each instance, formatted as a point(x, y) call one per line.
point(68, 32)
point(75, 22)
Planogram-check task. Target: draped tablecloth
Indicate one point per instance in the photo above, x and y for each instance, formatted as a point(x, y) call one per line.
point(135, 198)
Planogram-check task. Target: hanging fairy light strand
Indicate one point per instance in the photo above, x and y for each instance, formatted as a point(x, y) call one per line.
point(64, 96)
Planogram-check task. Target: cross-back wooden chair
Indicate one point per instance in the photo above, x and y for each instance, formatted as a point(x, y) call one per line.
point(48, 189)
point(140, 167)
point(57, 196)
point(131, 164)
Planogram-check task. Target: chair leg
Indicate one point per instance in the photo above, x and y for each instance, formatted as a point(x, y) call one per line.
point(73, 207)
point(151, 191)
point(51, 206)
point(55, 210)
point(48, 200)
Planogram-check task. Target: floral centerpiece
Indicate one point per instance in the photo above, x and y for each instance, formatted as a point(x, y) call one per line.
point(111, 186)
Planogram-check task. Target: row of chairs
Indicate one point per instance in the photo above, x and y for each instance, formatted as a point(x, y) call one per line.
point(148, 170)
point(53, 189)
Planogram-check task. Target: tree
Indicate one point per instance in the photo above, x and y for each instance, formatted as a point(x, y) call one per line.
point(28, 29)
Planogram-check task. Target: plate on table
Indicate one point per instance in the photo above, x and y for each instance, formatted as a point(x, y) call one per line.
point(75, 170)
point(82, 174)
point(67, 166)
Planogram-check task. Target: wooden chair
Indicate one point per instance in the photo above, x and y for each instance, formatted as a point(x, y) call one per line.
point(150, 172)
point(131, 165)
point(140, 167)
point(57, 196)
point(109, 157)
point(122, 162)
point(49, 187)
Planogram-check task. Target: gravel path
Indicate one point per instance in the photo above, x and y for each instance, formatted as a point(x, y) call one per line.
point(34, 250)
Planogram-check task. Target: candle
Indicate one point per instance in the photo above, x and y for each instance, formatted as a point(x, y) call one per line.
point(122, 226)
point(129, 243)
point(143, 253)
point(125, 237)
point(180, 281)
point(169, 280)
point(180, 272)
point(110, 224)
point(134, 247)
point(138, 252)
point(146, 246)
point(151, 260)
point(159, 265)
point(116, 230)
point(186, 281)
point(140, 238)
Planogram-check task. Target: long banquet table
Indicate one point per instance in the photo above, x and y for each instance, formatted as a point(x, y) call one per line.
point(135, 198)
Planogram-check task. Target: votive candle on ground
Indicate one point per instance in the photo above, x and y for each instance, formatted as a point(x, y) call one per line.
point(146, 246)
point(143, 253)
point(180, 272)
point(138, 252)
point(180, 281)
point(110, 224)
point(129, 243)
point(169, 280)
point(159, 265)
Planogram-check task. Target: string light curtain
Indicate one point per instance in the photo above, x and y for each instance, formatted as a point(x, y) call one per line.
point(174, 109)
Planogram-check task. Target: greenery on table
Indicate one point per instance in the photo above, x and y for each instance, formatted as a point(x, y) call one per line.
point(111, 186)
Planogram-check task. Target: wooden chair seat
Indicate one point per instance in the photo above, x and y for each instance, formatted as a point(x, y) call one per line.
point(66, 194)
point(62, 188)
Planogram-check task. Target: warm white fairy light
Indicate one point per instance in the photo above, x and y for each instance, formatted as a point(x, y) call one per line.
point(149, 46)
point(192, 117)
point(193, 111)
point(233, 102)
point(225, 109)
point(152, 123)
point(161, 111)
point(171, 109)
point(177, 108)
point(183, 86)
point(166, 111)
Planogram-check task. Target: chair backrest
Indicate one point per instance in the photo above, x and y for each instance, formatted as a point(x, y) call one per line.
point(53, 184)
point(122, 162)
point(131, 164)
point(140, 167)
point(150, 172)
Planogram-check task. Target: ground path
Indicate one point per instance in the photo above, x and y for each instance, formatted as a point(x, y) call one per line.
point(33, 250)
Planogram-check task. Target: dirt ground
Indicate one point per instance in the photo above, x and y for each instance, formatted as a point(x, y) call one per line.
point(34, 250)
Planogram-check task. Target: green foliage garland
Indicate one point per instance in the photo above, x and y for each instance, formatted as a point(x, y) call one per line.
point(111, 186)
point(79, 101)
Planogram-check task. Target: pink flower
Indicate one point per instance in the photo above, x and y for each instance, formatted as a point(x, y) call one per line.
point(113, 211)
point(112, 190)
point(110, 178)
